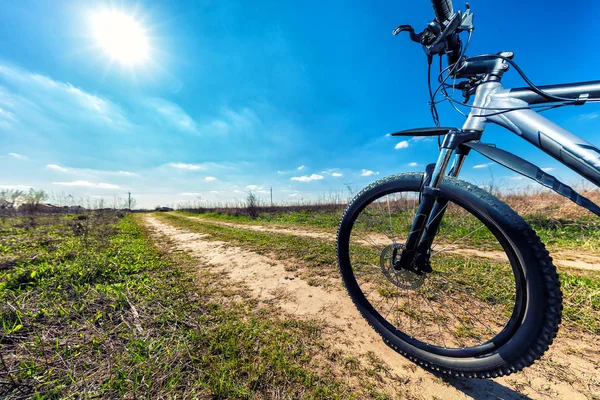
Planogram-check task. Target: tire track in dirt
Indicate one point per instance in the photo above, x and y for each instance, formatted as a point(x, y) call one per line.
point(571, 260)
point(558, 375)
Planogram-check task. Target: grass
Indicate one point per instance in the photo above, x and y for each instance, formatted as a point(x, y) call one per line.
point(560, 224)
point(90, 308)
point(317, 258)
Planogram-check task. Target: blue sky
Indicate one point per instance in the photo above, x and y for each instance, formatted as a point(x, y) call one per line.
point(240, 95)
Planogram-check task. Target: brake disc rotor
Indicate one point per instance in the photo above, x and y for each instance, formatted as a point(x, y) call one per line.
point(403, 279)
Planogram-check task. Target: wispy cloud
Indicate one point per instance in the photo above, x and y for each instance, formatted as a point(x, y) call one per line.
point(228, 121)
point(480, 166)
point(189, 167)
point(421, 139)
point(368, 172)
point(413, 164)
point(401, 145)
point(58, 168)
point(18, 156)
point(210, 179)
point(190, 194)
point(124, 173)
point(38, 94)
point(300, 168)
point(336, 174)
point(87, 184)
point(89, 172)
point(589, 116)
point(305, 178)
point(253, 187)
point(175, 116)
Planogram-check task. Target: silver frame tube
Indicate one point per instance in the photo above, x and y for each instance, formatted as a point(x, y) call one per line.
point(571, 150)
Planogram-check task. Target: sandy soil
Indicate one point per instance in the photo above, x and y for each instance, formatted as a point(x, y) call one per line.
point(570, 370)
point(572, 260)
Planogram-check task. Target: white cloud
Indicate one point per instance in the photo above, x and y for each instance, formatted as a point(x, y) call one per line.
point(58, 168)
point(547, 169)
point(190, 167)
point(18, 156)
point(401, 145)
point(413, 164)
point(589, 116)
point(305, 178)
point(210, 179)
point(39, 94)
point(336, 174)
point(300, 168)
point(421, 139)
point(175, 115)
point(294, 194)
point(124, 173)
point(480, 166)
point(90, 173)
point(253, 187)
point(368, 172)
point(87, 184)
point(7, 119)
point(190, 194)
point(215, 191)
point(15, 187)
point(230, 121)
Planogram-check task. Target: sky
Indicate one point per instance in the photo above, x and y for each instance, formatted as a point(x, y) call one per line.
point(237, 96)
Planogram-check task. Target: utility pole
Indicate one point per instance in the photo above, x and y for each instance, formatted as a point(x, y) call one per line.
point(271, 196)
point(129, 200)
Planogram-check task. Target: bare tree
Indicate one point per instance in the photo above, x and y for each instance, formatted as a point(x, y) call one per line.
point(10, 199)
point(252, 205)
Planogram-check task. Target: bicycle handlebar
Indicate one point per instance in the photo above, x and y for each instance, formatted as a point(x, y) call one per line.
point(443, 10)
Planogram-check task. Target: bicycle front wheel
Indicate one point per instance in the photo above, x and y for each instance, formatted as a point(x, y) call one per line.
point(492, 303)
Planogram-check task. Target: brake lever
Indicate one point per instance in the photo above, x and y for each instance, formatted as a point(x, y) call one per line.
point(450, 28)
point(415, 37)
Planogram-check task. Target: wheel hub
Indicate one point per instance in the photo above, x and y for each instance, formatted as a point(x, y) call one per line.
point(402, 278)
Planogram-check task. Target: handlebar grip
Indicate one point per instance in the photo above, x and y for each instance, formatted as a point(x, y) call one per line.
point(443, 10)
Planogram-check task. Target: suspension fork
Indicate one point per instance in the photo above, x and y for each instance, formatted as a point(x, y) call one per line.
point(431, 206)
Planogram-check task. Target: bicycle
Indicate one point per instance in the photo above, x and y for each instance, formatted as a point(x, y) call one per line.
point(446, 273)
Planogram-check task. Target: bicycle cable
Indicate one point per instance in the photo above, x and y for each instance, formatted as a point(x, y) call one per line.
point(496, 111)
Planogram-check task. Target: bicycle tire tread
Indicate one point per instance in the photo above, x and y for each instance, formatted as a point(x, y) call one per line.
point(554, 306)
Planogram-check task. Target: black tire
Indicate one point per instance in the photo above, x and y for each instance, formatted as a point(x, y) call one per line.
point(531, 322)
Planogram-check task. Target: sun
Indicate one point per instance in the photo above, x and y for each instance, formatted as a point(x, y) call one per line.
point(121, 37)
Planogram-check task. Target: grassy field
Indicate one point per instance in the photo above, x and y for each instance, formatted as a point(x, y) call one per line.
point(93, 305)
point(91, 308)
point(580, 287)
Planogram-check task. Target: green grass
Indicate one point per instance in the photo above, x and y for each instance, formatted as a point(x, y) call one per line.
point(327, 220)
point(90, 308)
point(578, 233)
point(567, 233)
point(317, 258)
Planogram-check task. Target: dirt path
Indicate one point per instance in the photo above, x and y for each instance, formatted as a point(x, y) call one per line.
point(570, 370)
point(564, 259)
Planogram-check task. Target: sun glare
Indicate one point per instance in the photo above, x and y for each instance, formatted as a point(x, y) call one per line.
point(121, 37)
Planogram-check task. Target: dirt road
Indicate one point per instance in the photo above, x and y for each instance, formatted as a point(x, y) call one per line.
point(570, 370)
point(560, 259)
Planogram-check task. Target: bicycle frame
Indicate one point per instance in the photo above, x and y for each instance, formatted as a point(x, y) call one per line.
point(508, 108)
